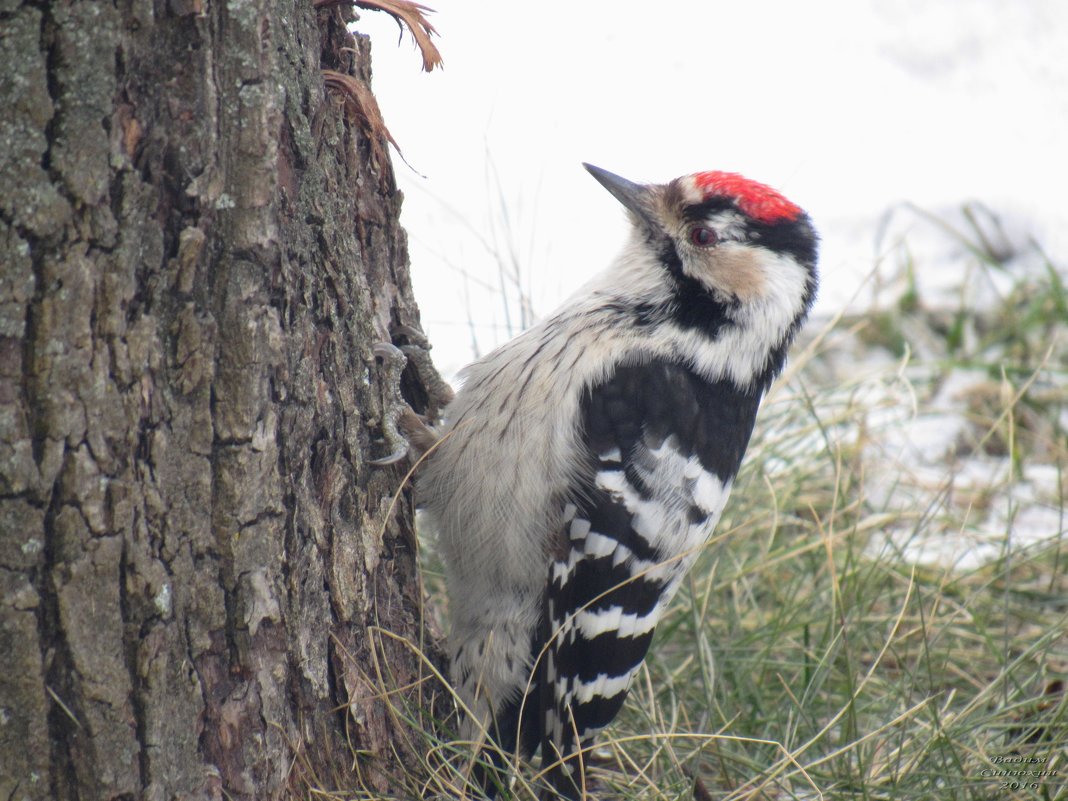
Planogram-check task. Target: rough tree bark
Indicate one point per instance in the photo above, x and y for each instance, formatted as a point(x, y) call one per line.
point(200, 248)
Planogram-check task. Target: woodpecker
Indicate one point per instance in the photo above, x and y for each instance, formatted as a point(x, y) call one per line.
point(583, 464)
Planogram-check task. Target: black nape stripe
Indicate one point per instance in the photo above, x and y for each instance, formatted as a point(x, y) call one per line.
point(796, 238)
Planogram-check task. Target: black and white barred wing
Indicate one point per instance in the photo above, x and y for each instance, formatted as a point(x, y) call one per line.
point(664, 446)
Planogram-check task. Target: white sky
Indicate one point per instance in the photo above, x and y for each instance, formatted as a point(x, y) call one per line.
point(847, 106)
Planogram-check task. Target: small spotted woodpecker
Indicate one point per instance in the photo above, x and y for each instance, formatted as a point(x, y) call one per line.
point(586, 462)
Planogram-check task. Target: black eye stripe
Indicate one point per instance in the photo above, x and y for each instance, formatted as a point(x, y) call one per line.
point(709, 208)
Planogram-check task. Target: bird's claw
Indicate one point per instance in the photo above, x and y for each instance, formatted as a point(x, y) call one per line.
point(398, 455)
point(388, 352)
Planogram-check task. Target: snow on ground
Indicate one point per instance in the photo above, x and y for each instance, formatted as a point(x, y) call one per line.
point(964, 479)
point(956, 510)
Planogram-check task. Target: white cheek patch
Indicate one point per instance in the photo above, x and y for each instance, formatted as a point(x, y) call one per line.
point(740, 352)
point(782, 301)
point(736, 271)
point(729, 225)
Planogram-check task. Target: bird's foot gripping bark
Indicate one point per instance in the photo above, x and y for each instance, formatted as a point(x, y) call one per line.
point(404, 431)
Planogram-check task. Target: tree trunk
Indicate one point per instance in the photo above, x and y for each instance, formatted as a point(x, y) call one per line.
point(200, 571)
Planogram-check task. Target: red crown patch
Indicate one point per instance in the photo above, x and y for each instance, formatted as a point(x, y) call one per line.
point(755, 199)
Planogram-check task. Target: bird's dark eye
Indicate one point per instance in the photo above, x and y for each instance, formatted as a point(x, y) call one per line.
point(703, 237)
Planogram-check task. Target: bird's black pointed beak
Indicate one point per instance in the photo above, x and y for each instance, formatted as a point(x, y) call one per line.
point(634, 197)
